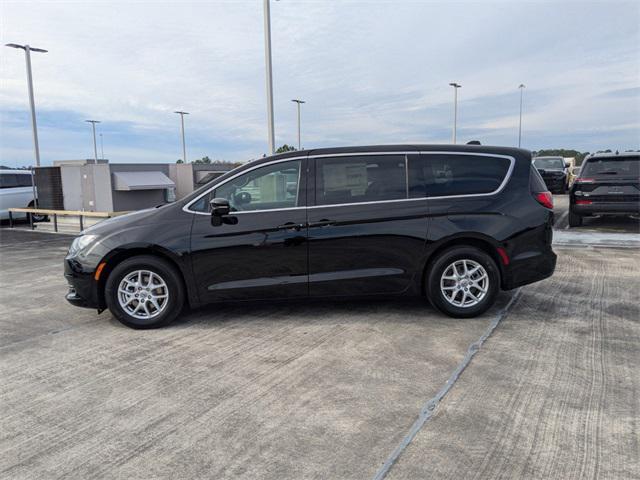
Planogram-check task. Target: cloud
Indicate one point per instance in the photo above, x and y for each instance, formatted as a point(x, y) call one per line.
point(371, 72)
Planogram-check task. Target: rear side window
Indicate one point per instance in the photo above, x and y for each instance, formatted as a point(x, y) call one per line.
point(445, 175)
point(536, 183)
point(9, 180)
point(360, 179)
point(24, 180)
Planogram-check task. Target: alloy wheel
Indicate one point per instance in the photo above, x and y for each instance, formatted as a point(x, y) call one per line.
point(464, 283)
point(143, 294)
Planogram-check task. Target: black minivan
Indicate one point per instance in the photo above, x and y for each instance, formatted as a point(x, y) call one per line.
point(453, 223)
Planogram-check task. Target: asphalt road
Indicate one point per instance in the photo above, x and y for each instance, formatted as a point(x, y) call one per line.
point(321, 389)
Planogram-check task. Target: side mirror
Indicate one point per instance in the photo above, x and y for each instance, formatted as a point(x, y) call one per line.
point(219, 208)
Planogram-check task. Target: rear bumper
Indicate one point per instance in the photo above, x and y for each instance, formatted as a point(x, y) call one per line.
point(529, 269)
point(607, 208)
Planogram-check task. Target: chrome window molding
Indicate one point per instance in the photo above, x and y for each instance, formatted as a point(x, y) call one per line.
point(511, 159)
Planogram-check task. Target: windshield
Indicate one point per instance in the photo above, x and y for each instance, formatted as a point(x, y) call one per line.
point(627, 166)
point(549, 163)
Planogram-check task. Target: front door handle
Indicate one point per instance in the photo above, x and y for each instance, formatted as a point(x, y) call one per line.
point(322, 223)
point(291, 226)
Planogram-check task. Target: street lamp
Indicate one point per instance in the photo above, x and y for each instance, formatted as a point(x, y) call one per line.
point(521, 87)
point(27, 53)
point(95, 146)
point(267, 58)
point(298, 102)
point(455, 86)
point(184, 145)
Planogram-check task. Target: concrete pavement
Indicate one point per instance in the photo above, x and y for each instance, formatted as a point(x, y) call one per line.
point(320, 389)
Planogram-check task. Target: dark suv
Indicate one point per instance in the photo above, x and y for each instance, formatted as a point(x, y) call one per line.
point(454, 223)
point(554, 172)
point(609, 184)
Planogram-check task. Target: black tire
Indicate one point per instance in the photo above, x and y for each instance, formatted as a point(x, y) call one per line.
point(442, 262)
point(161, 268)
point(575, 220)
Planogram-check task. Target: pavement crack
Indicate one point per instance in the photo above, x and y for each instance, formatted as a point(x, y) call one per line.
point(430, 406)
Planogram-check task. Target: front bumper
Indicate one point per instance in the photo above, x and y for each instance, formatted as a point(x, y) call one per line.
point(83, 289)
point(554, 183)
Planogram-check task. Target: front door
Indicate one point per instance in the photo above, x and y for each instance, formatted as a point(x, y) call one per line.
point(260, 251)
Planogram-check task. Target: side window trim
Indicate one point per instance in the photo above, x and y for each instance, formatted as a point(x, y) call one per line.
point(311, 178)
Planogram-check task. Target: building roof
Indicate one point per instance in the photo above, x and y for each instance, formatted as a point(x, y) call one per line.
point(151, 180)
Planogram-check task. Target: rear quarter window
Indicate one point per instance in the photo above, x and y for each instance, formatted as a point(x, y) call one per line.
point(458, 174)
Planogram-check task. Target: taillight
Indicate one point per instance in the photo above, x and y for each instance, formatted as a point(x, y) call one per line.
point(545, 199)
point(583, 202)
point(585, 180)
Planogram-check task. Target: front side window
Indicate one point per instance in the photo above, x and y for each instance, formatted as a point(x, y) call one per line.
point(265, 188)
point(457, 174)
point(360, 179)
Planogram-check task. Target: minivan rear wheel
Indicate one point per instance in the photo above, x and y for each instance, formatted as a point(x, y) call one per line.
point(463, 282)
point(144, 292)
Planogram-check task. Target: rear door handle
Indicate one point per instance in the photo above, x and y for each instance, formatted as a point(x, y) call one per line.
point(291, 226)
point(323, 223)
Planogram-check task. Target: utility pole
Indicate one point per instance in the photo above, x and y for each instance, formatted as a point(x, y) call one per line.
point(455, 86)
point(298, 102)
point(521, 87)
point(95, 145)
point(184, 145)
point(267, 57)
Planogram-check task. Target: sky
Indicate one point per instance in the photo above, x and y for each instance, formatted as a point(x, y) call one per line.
point(371, 72)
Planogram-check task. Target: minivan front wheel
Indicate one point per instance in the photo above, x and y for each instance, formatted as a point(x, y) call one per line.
point(144, 292)
point(463, 282)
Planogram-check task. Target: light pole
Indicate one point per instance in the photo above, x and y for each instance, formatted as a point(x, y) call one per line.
point(184, 145)
point(101, 147)
point(95, 146)
point(298, 102)
point(455, 86)
point(267, 58)
point(27, 54)
point(521, 87)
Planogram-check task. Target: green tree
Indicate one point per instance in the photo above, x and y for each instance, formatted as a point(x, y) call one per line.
point(206, 160)
point(180, 161)
point(286, 148)
point(561, 152)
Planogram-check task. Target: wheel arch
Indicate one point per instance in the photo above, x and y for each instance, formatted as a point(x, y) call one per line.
point(478, 240)
point(113, 258)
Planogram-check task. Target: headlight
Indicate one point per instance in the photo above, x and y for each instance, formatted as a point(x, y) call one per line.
point(80, 243)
